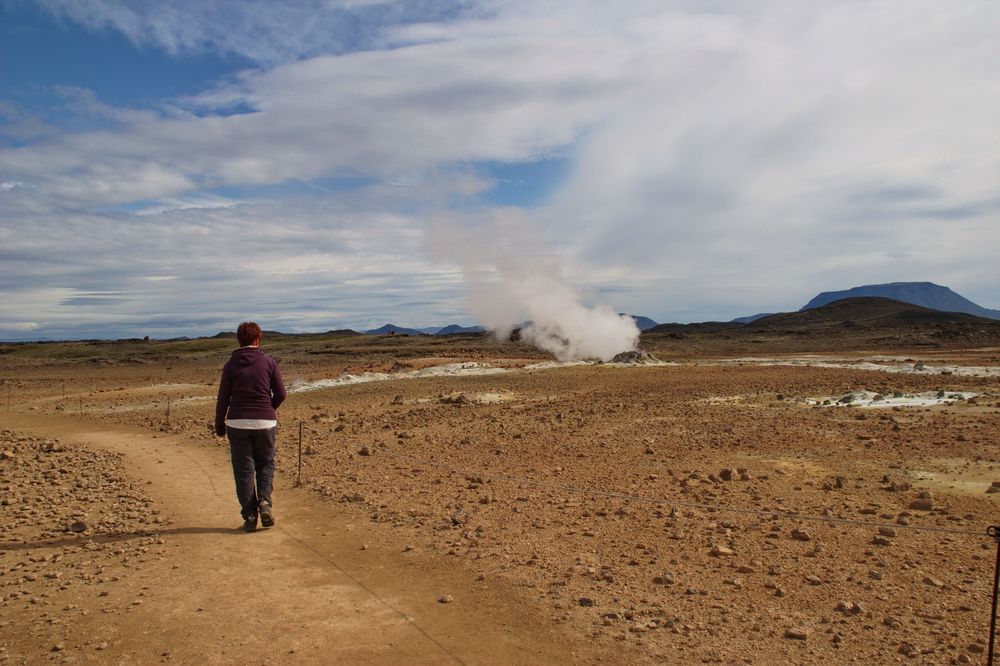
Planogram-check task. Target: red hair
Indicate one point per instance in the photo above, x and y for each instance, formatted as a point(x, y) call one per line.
point(248, 333)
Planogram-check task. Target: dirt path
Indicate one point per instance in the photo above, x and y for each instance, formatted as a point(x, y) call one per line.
point(323, 586)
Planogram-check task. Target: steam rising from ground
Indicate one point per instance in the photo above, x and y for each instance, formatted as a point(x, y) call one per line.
point(509, 283)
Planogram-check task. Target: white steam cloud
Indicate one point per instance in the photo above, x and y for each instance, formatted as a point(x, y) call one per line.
point(510, 284)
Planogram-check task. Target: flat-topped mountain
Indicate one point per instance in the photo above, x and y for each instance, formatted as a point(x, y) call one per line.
point(925, 294)
point(864, 312)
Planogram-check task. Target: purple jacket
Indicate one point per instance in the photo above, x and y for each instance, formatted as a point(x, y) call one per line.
point(251, 388)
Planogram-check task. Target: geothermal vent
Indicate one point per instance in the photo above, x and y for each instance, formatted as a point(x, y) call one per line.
point(634, 357)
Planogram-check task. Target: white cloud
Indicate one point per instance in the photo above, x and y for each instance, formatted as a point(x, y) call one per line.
point(723, 160)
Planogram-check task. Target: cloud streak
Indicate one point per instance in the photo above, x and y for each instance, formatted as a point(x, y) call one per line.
point(718, 161)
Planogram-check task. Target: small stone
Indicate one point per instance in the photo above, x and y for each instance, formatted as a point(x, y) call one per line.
point(446, 599)
point(976, 648)
point(801, 535)
point(887, 531)
point(881, 541)
point(922, 504)
point(364, 451)
point(934, 582)
point(586, 602)
point(797, 634)
point(719, 550)
point(849, 608)
point(101, 646)
point(665, 579)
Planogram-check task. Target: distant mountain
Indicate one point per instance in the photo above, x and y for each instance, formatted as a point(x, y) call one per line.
point(750, 318)
point(644, 323)
point(863, 312)
point(924, 294)
point(697, 327)
point(452, 329)
point(392, 328)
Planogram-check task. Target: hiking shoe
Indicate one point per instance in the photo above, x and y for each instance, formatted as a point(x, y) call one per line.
point(266, 518)
point(250, 524)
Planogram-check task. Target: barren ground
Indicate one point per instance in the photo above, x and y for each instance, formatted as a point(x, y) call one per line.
point(579, 514)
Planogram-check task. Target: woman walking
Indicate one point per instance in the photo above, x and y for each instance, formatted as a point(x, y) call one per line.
point(250, 392)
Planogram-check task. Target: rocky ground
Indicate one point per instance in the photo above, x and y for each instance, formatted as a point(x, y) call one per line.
point(647, 506)
point(75, 527)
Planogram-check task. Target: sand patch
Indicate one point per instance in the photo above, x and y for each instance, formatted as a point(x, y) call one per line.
point(959, 476)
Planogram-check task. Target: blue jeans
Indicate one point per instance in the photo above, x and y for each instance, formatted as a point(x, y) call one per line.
point(252, 452)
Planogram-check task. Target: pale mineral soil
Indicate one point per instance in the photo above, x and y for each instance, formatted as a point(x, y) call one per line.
point(638, 512)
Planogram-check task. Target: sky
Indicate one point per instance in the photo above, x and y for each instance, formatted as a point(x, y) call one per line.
point(172, 169)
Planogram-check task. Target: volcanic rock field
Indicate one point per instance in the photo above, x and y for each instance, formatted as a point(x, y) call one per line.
point(703, 509)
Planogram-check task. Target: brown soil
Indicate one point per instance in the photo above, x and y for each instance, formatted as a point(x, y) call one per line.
point(590, 513)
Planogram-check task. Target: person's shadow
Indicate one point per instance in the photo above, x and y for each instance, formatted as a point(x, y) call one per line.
point(80, 539)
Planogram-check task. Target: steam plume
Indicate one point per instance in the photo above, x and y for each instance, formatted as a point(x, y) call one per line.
point(508, 282)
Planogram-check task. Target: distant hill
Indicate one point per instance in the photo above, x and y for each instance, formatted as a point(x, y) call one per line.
point(750, 318)
point(644, 323)
point(452, 329)
point(398, 330)
point(924, 294)
point(698, 327)
point(864, 312)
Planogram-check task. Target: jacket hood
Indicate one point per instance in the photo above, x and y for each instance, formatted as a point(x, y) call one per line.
point(246, 356)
